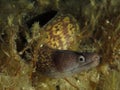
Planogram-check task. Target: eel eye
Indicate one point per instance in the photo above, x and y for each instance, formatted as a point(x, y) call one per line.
point(81, 59)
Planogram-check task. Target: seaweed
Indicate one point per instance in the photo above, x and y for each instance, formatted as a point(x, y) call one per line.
point(99, 22)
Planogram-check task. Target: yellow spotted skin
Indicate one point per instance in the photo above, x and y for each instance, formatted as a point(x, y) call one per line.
point(61, 32)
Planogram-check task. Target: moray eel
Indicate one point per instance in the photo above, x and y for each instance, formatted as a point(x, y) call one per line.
point(62, 63)
point(57, 58)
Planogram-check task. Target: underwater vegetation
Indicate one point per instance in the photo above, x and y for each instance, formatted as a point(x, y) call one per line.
point(22, 33)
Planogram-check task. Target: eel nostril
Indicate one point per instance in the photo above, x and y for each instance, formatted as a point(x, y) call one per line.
point(96, 57)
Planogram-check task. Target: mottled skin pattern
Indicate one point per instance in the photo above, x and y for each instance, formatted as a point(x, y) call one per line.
point(54, 58)
point(61, 32)
point(45, 62)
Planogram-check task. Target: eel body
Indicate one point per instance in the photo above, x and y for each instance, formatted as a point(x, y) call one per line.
point(56, 58)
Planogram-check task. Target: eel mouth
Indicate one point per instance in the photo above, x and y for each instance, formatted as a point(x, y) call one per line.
point(93, 63)
point(86, 66)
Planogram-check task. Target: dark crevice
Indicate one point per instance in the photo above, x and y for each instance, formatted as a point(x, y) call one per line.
point(42, 18)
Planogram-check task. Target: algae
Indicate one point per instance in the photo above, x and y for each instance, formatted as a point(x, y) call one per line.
point(99, 22)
